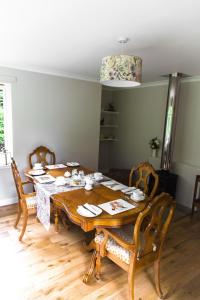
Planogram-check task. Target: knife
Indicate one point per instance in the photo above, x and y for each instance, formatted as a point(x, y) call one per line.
point(89, 210)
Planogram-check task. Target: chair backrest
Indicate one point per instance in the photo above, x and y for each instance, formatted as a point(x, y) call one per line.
point(152, 225)
point(17, 179)
point(41, 155)
point(145, 178)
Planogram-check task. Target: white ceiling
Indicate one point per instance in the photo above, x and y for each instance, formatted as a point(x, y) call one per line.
point(69, 37)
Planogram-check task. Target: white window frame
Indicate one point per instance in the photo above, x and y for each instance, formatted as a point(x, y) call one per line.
point(7, 110)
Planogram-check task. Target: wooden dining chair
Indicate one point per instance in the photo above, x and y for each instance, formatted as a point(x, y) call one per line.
point(145, 178)
point(41, 155)
point(131, 247)
point(26, 202)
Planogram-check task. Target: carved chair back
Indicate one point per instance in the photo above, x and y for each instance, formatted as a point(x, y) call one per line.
point(41, 155)
point(152, 225)
point(145, 178)
point(17, 180)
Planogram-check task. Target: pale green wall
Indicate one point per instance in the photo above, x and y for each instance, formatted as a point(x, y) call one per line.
point(61, 113)
point(142, 112)
point(187, 146)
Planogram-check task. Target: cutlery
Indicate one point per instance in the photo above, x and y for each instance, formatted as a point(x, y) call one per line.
point(89, 210)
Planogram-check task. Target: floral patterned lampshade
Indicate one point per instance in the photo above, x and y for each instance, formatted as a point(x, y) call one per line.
point(121, 71)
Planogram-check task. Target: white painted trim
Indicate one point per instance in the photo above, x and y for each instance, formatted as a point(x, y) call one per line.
point(191, 79)
point(53, 72)
point(8, 79)
point(5, 166)
point(8, 128)
point(8, 201)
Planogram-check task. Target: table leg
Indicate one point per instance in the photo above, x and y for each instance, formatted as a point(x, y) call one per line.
point(56, 220)
point(88, 274)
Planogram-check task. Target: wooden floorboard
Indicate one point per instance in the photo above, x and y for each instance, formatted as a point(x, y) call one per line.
point(49, 265)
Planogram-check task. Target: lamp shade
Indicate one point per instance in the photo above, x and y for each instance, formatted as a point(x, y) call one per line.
point(121, 71)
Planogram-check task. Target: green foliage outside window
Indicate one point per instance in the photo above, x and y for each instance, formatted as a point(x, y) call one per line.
point(1, 121)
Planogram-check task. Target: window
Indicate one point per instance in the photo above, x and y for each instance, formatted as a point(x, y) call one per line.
point(2, 142)
point(6, 138)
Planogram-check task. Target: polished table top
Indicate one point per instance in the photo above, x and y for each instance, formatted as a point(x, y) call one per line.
point(69, 201)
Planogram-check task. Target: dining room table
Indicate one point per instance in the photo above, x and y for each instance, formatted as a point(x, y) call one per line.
point(67, 199)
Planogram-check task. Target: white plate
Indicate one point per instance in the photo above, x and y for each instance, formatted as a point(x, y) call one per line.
point(73, 164)
point(36, 172)
point(86, 213)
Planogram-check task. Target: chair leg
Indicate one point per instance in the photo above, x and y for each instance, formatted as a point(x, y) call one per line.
point(157, 277)
point(25, 218)
point(98, 265)
point(131, 277)
point(87, 276)
point(18, 215)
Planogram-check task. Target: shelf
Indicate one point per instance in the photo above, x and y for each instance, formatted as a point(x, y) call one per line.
point(110, 112)
point(109, 140)
point(109, 126)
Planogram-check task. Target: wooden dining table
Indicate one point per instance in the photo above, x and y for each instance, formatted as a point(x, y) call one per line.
point(69, 201)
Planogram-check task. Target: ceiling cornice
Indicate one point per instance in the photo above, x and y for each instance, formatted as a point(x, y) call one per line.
point(59, 73)
point(52, 72)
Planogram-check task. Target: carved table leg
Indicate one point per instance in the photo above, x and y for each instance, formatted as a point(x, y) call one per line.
point(64, 221)
point(56, 220)
point(87, 276)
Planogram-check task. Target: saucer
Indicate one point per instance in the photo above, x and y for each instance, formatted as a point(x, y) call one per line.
point(36, 172)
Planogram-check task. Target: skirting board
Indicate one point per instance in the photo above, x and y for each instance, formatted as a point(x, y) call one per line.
point(8, 201)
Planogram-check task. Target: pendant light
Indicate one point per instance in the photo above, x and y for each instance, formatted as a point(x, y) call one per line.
point(121, 70)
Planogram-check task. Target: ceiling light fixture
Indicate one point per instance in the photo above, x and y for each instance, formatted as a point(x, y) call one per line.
point(121, 70)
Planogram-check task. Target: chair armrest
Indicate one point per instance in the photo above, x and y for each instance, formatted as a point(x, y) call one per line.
point(119, 240)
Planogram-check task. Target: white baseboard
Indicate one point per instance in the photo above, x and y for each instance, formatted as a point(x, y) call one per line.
point(8, 201)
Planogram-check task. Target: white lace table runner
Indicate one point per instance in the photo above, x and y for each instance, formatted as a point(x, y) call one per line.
point(43, 193)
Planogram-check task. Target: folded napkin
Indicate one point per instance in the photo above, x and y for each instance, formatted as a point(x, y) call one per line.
point(117, 187)
point(128, 189)
point(108, 183)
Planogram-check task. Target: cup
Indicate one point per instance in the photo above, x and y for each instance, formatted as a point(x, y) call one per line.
point(38, 166)
point(74, 172)
point(81, 173)
point(97, 175)
point(67, 174)
point(88, 184)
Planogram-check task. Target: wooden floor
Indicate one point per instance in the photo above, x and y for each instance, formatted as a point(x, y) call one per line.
point(47, 265)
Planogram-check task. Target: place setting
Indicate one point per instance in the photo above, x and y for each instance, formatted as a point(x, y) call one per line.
point(89, 210)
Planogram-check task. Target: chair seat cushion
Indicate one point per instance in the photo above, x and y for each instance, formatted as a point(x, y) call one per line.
point(125, 233)
point(31, 202)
